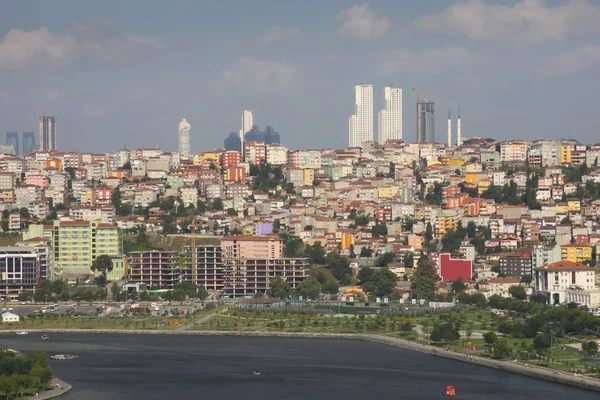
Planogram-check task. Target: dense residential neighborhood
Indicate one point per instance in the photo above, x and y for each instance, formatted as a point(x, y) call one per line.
point(494, 215)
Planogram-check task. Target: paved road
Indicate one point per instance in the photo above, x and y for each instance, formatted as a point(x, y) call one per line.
point(62, 388)
point(200, 321)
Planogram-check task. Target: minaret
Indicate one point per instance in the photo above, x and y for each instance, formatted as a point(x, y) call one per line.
point(458, 138)
point(449, 130)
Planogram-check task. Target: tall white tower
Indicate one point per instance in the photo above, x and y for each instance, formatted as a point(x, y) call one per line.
point(458, 138)
point(389, 119)
point(247, 122)
point(184, 139)
point(360, 124)
point(449, 130)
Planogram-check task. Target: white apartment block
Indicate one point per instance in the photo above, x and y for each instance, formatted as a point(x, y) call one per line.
point(277, 154)
point(360, 124)
point(26, 194)
point(189, 195)
point(184, 139)
point(389, 124)
point(8, 180)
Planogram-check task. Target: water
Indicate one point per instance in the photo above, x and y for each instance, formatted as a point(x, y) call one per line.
point(128, 367)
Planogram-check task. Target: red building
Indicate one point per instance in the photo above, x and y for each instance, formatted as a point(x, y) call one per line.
point(384, 213)
point(235, 174)
point(451, 269)
point(230, 158)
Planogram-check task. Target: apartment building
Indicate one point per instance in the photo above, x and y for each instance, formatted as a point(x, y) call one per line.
point(19, 270)
point(156, 269)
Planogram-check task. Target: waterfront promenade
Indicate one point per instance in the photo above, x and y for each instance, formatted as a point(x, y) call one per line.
point(62, 388)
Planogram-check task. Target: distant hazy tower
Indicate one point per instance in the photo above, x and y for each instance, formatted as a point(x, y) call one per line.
point(12, 139)
point(28, 142)
point(46, 133)
point(426, 121)
point(247, 123)
point(184, 139)
point(449, 130)
point(360, 124)
point(458, 137)
point(389, 119)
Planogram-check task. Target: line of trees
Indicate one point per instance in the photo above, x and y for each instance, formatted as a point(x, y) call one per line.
point(19, 373)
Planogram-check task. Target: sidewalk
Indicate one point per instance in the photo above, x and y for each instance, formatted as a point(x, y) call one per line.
point(50, 394)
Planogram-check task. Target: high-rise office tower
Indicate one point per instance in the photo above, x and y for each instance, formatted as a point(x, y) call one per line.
point(184, 139)
point(12, 139)
point(360, 124)
point(458, 137)
point(247, 123)
point(28, 142)
point(389, 119)
point(425, 121)
point(449, 129)
point(46, 133)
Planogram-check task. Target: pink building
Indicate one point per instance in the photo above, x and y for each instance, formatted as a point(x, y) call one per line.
point(37, 180)
point(252, 247)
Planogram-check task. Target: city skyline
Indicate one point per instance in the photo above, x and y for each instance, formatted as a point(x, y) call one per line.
point(97, 81)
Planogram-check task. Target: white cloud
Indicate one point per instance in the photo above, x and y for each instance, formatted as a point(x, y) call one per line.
point(260, 75)
point(527, 22)
point(278, 34)
point(360, 23)
point(85, 42)
point(428, 61)
point(574, 61)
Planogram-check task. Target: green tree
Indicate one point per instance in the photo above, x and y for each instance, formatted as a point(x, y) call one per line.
point(445, 332)
point(458, 286)
point(26, 295)
point(589, 349)
point(502, 348)
point(217, 204)
point(365, 274)
point(102, 264)
point(542, 341)
point(278, 288)
point(409, 261)
point(310, 287)
point(339, 267)
point(116, 200)
point(428, 232)
point(490, 338)
point(518, 292)
point(424, 279)
point(231, 212)
point(384, 282)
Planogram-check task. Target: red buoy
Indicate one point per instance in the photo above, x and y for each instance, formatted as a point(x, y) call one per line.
point(450, 391)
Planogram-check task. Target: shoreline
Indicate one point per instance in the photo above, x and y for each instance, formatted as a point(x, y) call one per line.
point(54, 392)
point(537, 372)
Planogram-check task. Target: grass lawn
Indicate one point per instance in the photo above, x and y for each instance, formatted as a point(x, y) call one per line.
point(296, 323)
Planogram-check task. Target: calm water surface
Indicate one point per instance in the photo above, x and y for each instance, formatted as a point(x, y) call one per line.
point(128, 367)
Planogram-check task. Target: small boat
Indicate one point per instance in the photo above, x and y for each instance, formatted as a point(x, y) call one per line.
point(450, 391)
point(256, 372)
point(22, 333)
point(44, 337)
point(63, 357)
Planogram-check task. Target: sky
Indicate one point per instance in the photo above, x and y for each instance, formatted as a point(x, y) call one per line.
point(124, 73)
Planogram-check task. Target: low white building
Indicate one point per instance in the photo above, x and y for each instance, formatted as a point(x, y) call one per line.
point(9, 317)
point(564, 282)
